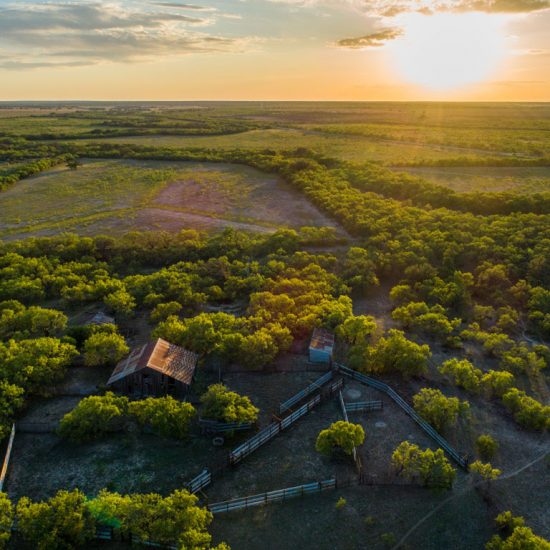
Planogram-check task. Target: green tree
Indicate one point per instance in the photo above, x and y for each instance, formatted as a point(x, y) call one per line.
point(62, 522)
point(11, 401)
point(121, 302)
point(219, 403)
point(394, 353)
point(104, 349)
point(340, 435)
point(438, 410)
point(431, 468)
point(93, 417)
point(165, 415)
point(163, 311)
point(485, 471)
point(6, 519)
point(527, 411)
point(357, 329)
point(463, 374)
point(486, 446)
point(497, 383)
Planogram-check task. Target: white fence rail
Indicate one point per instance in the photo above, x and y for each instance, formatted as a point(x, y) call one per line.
point(313, 387)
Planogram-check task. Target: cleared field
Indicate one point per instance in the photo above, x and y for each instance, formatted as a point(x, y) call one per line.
point(117, 196)
point(354, 148)
point(487, 178)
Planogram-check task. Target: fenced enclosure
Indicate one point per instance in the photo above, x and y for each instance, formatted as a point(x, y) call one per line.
point(214, 427)
point(364, 406)
point(313, 387)
point(269, 432)
point(441, 441)
point(272, 496)
point(200, 482)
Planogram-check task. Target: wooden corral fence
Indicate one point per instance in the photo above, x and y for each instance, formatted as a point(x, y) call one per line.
point(441, 441)
point(272, 496)
point(200, 482)
point(355, 454)
point(104, 532)
point(312, 388)
point(214, 427)
point(364, 406)
point(269, 432)
point(7, 457)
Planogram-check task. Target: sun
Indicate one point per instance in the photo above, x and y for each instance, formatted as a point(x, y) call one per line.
point(449, 50)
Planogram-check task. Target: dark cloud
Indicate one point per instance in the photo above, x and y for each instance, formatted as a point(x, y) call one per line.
point(62, 34)
point(375, 39)
point(183, 6)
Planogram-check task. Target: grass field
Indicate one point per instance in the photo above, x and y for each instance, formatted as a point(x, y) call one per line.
point(118, 196)
point(487, 178)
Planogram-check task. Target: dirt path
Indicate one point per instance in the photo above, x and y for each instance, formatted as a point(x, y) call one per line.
point(463, 492)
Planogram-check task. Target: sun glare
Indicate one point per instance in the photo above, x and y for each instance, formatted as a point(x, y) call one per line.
point(445, 51)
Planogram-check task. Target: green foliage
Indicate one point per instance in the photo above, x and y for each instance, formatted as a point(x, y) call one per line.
point(104, 349)
point(357, 329)
point(165, 415)
point(431, 320)
point(392, 353)
point(340, 435)
point(93, 417)
point(515, 535)
point(440, 411)
point(429, 467)
point(463, 374)
point(161, 312)
point(527, 411)
point(61, 522)
point(120, 302)
point(486, 446)
point(484, 471)
point(6, 519)
point(219, 403)
point(35, 364)
point(19, 322)
point(11, 401)
point(341, 503)
point(497, 383)
point(151, 517)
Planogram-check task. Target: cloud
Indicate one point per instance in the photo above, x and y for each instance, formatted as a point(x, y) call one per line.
point(391, 8)
point(177, 5)
point(63, 34)
point(375, 39)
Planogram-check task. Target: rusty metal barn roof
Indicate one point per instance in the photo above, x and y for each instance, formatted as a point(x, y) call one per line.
point(322, 339)
point(166, 358)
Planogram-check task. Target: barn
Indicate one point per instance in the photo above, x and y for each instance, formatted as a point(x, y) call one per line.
point(321, 346)
point(157, 368)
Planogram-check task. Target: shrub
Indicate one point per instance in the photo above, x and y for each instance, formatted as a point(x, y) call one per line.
point(463, 374)
point(166, 415)
point(341, 435)
point(93, 417)
point(527, 411)
point(485, 471)
point(62, 522)
point(438, 410)
point(486, 446)
point(226, 406)
point(340, 503)
point(6, 519)
point(431, 468)
point(104, 349)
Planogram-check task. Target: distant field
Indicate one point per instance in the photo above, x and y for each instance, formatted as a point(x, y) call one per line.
point(347, 147)
point(464, 179)
point(116, 196)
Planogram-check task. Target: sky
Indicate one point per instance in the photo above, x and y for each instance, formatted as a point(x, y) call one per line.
point(478, 50)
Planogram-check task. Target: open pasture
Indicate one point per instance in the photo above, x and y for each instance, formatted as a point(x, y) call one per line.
point(117, 196)
point(464, 179)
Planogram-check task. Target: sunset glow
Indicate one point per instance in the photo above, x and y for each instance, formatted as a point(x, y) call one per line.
point(445, 51)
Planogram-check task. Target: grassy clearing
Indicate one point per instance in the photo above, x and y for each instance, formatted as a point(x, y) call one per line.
point(118, 196)
point(346, 147)
point(491, 179)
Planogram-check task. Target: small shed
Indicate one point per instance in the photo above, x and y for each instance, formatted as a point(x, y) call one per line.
point(100, 318)
point(321, 346)
point(157, 368)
